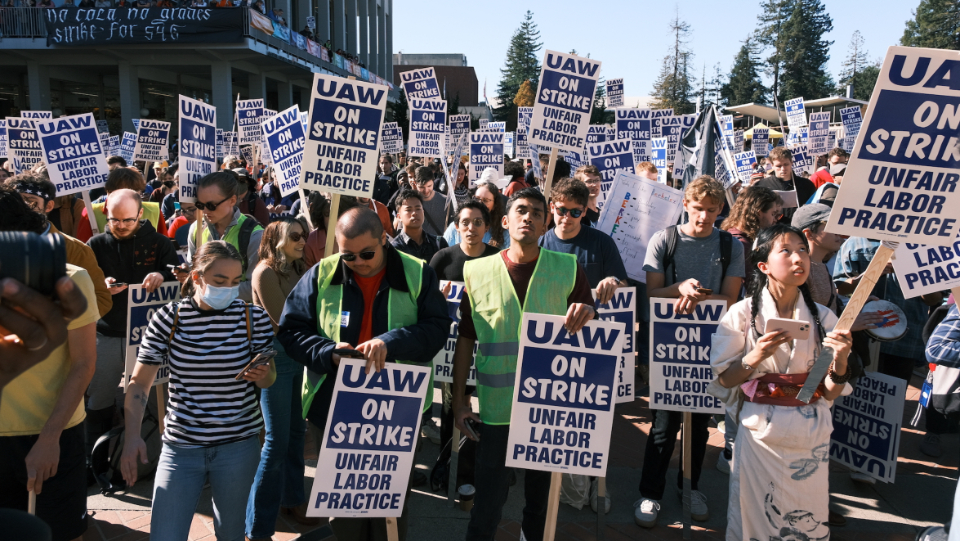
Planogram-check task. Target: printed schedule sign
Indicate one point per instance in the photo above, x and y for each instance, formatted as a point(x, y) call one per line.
point(561, 112)
point(796, 115)
point(198, 140)
point(610, 158)
point(680, 357)
point(623, 308)
point(23, 144)
point(923, 269)
point(249, 115)
point(369, 441)
point(428, 120)
point(614, 93)
point(284, 136)
point(340, 152)
point(74, 157)
point(141, 305)
point(443, 362)
point(563, 396)
point(420, 84)
point(819, 133)
point(486, 150)
point(152, 139)
point(866, 426)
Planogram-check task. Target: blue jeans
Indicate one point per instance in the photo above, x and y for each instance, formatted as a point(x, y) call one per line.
point(179, 481)
point(279, 479)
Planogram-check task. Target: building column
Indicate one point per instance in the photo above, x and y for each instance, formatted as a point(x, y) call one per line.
point(364, 16)
point(388, 42)
point(384, 59)
point(351, 27)
point(323, 20)
point(339, 20)
point(258, 86)
point(221, 77)
point(38, 83)
point(129, 95)
point(284, 95)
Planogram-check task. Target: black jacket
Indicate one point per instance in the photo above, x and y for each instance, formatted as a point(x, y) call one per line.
point(130, 260)
point(419, 342)
point(805, 189)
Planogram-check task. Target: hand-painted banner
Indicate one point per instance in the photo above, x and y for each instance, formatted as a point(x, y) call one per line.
point(72, 152)
point(152, 140)
point(680, 356)
point(564, 395)
point(285, 138)
point(340, 154)
point(369, 441)
point(623, 308)
point(428, 120)
point(420, 84)
point(117, 27)
point(443, 362)
point(561, 112)
point(141, 305)
point(198, 145)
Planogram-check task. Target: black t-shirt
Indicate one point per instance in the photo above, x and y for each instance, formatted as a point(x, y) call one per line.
point(448, 262)
point(591, 217)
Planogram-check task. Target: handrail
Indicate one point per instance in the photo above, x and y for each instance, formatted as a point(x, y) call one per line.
point(22, 22)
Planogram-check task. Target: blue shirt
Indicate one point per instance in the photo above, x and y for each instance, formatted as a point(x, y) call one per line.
point(943, 348)
point(596, 252)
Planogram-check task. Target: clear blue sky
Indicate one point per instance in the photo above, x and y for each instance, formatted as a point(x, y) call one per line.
point(630, 37)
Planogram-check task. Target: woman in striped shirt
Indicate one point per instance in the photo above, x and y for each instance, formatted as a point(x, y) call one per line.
point(213, 419)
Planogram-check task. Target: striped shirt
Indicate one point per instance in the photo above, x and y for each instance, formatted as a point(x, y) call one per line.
point(207, 406)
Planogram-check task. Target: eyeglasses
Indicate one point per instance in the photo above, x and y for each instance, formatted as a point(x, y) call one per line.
point(295, 236)
point(366, 256)
point(485, 201)
point(574, 213)
point(125, 221)
point(209, 206)
point(476, 221)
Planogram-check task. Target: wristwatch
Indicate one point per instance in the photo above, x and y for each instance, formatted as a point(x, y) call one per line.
point(747, 366)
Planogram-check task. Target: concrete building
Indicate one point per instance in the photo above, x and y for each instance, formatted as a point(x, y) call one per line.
point(127, 63)
point(453, 75)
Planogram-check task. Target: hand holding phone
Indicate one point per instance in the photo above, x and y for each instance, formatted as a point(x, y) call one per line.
point(347, 352)
point(704, 291)
point(797, 330)
point(260, 360)
point(471, 427)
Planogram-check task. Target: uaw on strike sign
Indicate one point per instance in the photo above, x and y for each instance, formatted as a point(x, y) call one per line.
point(561, 112)
point(901, 183)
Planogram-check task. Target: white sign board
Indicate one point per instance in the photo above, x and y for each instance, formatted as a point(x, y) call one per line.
point(852, 120)
point(74, 157)
point(420, 84)
point(284, 136)
point(623, 308)
point(923, 269)
point(486, 150)
point(744, 163)
point(819, 133)
point(391, 138)
point(198, 145)
point(561, 112)
point(866, 426)
point(249, 115)
point(152, 140)
point(796, 114)
point(141, 305)
point(610, 158)
point(443, 362)
point(761, 137)
point(428, 122)
point(614, 93)
point(658, 155)
point(23, 143)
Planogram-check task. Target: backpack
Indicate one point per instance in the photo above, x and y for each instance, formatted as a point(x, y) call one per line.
point(105, 457)
point(673, 237)
point(243, 238)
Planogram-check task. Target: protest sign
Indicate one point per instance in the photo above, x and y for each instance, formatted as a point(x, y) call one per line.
point(831, 140)
point(340, 153)
point(508, 143)
point(610, 158)
point(420, 84)
point(219, 137)
point(428, 119)
point(901, 181)
point(391, 138)
point(486, 150)
point(126, 146)
point(524, 114)
point(74, 158)
point(443, 361)
point(230, 146)
point(657, 118)
point(614, 93)
point(141, 305)
point(819, 133)
point(680, 356)
point(575, 159)
point(796, 114)
point(198, 145)
point(136, 125)
point(744, 162)
point(249, 115)
point(726, 129)
point(923, 269)
point(152, 136)
point(3, 138)
point(738, 141)
point(563, 396)
point(852, 120)
point(284, 136)
point(866, 426)
point(596, 134)
point(758, 144)
point(483, 122)
point(561, 112)
point(36, 114)
point(637, 208)
point(459, 125)
point(369, 441)
point(116, 27)
point(802, 160)
point(723, 170)
point(265, 157)
point(105, 144)
point(623, 308)
point(23, 144)
point(671, 128)
point(634, 124)
point(496, 126)
point(658, 155)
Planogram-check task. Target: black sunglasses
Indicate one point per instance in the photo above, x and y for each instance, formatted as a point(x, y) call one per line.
point(209, 206)
point(574, 213)
point(366, 256)
point(295, 236)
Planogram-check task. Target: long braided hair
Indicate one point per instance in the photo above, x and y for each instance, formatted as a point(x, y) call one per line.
point(766, 240)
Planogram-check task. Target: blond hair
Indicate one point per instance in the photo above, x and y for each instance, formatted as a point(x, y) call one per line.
point(704, 187)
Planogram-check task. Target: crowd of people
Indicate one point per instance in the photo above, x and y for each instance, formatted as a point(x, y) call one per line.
point(257, 281)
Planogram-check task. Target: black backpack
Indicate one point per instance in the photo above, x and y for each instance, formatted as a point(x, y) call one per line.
point(105, 458)
point(673, 237)
point(243, 237)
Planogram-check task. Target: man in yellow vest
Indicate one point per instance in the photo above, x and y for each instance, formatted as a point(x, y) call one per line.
point(523, 279)
point(372, 298)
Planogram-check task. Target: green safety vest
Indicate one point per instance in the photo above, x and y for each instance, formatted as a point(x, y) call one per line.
point(497, 316)
point(401, 312)
point(232, 237)
point(151, 212)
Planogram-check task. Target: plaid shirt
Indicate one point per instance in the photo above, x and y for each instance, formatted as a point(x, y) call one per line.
point(943, 348)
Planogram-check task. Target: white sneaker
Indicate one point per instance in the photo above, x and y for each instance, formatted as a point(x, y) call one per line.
point(723, 463)
point(859, 477)
point(646, 512)
point(698, 505)
point(429, 430)
point(594, 487)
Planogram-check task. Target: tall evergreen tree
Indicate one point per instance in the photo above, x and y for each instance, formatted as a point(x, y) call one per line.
point(522, 64)
point(935, 24)
point(674, 85)
point(806, 52)
point(771, 38)
point(453, 106)
point(400, 110)
point(744, 84)
point(598, 114)
point(857, 71)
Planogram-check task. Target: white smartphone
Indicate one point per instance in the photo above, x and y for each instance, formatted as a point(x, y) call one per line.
point(798, 330)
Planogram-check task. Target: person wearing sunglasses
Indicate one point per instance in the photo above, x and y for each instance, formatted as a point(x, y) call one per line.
point(279, 480)
point(368, 288)
point(222, 220)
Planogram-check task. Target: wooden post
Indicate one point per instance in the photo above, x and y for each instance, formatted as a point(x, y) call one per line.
point(197, 236)
point(454, 464)
point(551, 167)
point(161, 405)
point(94, 228)
point(392, 534)
point(687, 467)
point(553, 503)
point(332, 224)
point(601, 505)
point(305, 209)
point(32, 503)
point(864, 288)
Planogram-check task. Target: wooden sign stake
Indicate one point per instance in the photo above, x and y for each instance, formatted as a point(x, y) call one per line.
point(553, 503)
point(332, 224)
point(94, 228)
point(454, 464)
point(687, 467)
point(392, 534)
point(551, 167)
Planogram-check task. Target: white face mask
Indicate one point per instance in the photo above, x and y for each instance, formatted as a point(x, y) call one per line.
point(219, 297)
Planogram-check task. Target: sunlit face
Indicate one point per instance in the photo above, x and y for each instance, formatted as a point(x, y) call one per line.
point(471, 226)
point(123, 217)
point(783, 168)
point(385, 164)
point(212, 195)
point(526, 221)
point(788, 262)
point(35, 201)
point(592, 182)
point(702, 214)
point(425, 188)
point(834, 160)
point(770, 216)
point(649, 175)
point(293, 245)
point(189, 211)
point(361, 245)
point(223, 272)
point(461, 175)
point(411, 213)
point(562, 216)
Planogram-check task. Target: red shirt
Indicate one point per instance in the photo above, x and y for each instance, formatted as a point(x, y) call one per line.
point(821, 177)
point(369, 287)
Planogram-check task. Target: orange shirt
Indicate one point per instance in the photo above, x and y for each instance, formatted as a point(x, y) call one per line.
point(369, 287)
